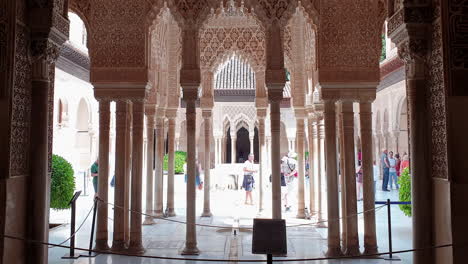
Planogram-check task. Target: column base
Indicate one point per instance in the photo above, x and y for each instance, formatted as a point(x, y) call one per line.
point(334, 252)
point(101, 245)
point(158, 214)
point(369, 250)
point(170, 212)
point(136, 248)
point(206, 214)
point(190, 250)
point(118, 246)
point(301, 214)
point(352, 251)
point(321, 223)
point(149, 221)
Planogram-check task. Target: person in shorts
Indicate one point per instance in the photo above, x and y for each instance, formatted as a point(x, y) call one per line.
point(248, 181)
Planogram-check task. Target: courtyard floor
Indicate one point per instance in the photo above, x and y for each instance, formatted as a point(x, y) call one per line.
point(167, 238)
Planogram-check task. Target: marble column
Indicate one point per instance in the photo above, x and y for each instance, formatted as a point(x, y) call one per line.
point(103, 180)
point(275, 96)
point(319, 131)
point(300, 163)
point(370, 239)
point(233, 148)
point(352, 238)
point(207, 162)
point(342, 176)
point(149, 166)
point(334, 247)
point(251, 138)
point(312, 175)
point(190, 96)
point(158, 196)
point(118, 242)
point(136, 245)
point(40, 178)
point(128, 171)
point(262, 156)
point(171, 165)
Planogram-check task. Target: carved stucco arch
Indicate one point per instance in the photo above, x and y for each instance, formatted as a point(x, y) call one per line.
point(399, 109)
point(242, 120)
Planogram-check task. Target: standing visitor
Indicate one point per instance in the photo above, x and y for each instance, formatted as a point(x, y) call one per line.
point(249, 180)
point(392, 171)
point(376, 174)
point(386, 167)
point(404, 163)
point(289, 171)
point(198, 182)
point(94, 175)
point(398, 164)
point(360, 180)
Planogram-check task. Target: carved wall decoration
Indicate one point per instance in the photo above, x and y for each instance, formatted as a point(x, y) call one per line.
point(21, 106)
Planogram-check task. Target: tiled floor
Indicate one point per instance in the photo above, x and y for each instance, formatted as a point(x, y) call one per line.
point(167, 238)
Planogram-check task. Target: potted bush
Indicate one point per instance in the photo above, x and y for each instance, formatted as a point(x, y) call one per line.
point(62, 183)
point(405, 191)
point(179, 161)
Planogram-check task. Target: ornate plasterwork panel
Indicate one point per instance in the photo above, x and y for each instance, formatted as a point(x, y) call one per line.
point(350, 40)
point(229, 30)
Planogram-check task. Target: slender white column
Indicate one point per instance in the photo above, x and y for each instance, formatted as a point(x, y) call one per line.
point(275, 97)
point(158, 197)
point(233, 149)
point(171, 165)
point(207, 166)
point(300, 163)
point(118, 242)
point(190, 96)
point(334, 247)
point(251, 138)
point(319, 132)
point(103, 174)
point(136, 245)
point(128, 170)
point(312, 175)
point(149, 165)
point(352, 238)
point(370, 239)
point(262, 155)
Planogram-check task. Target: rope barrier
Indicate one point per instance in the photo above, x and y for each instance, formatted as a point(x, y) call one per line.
point(233, 260)
point(248, 228)
point(81, 225)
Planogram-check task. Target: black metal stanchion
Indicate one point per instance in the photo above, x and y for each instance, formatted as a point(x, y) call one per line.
point(390, 246)
point(269, 259)
point(92, 254)
point(71, 254)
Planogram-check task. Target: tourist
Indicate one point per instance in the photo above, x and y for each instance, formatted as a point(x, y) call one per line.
point(385, 167)
point(393, 178)
point(404, 163)
point(94, 174)
point(198, 183)
point(398, 164)
point(360, 180)
point(249, 180)
point(288, 168)
point(376, 174)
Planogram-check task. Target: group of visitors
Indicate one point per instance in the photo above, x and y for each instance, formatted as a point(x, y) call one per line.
point(392, 167)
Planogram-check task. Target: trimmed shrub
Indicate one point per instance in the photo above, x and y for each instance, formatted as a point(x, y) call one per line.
point(179, 161)
point(62, 183)
point(405, 191)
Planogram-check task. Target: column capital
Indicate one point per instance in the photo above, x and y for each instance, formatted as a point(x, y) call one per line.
point(300, 112)
point(206, 102)
point(150, 109)
point(261, 102)
point(190, 92)
point(275, 94)
point(160, 112)
point(135, 92)
point(206, 113)
point(261, 113)
point(171, 113)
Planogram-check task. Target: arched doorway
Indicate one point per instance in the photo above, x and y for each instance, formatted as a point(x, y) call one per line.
point(403, 140)
point(83, 140)
point(242, 145)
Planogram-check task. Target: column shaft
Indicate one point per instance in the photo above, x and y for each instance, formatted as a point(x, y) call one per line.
point(300, 170)
point(158, 196)
point(320, 175)
point(207, 165)
point(149, 169)
point(352, 238)
point(128, 171)
point(262, 157)
point(191, 236)
point(233, 149)
point(40, 178)
point(136, 245)
point(118, 242)
point(171, 168)
point(312, 175)
point(342, 177)
point(370, 239)
point(334, 247)
point(251, 137)
point(275, 119)
point(103, 175)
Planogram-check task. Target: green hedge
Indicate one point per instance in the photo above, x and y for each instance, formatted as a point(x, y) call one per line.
point(405, 191)
point(62, 183)
point(179, 162)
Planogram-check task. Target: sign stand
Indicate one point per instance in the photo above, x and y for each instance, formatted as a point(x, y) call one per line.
point(71, 254)
point(269, 237)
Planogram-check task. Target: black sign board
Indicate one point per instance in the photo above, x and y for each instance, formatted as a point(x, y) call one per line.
point(269, 237)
